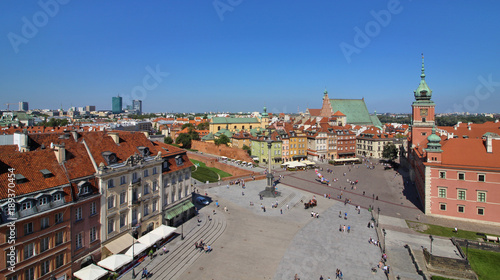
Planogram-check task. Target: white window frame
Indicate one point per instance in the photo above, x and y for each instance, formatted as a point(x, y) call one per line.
point(78, 241)
point(78, 214)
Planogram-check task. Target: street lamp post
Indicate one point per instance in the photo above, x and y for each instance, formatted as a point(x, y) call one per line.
point(432, 239)
point(182, 230)
point(133, 255)
point(378, 216)
point(383, 230)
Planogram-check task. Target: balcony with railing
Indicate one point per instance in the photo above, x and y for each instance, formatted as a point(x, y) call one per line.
point(136, 200)
point(136, 181)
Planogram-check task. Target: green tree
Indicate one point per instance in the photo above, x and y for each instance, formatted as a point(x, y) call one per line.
point(203, 126)
point(390, 151)
point(223, 139)
point(247, 149)
point(183, 139)
point(193, 134)
point(190, 125)
point(168, 140)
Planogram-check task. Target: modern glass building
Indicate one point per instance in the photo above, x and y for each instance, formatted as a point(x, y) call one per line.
point(116, 105)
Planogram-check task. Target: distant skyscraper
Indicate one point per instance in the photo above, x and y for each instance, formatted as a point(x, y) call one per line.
point(23, 106)
point(117, 105)
point(90, 108)
point(137, 106)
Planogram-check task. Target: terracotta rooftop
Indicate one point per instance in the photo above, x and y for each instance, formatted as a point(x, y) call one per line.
point(30, 165)
point(475, 131)
point(314, 112)
point(470, 153)
point(78, 163)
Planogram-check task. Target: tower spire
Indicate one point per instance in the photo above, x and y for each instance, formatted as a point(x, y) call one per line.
point(423, 69)
point(423, 92)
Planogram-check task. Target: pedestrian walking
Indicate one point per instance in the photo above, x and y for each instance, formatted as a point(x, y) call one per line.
point(281, 211)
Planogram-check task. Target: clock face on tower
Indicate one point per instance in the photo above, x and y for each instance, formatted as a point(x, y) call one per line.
point(423, 112)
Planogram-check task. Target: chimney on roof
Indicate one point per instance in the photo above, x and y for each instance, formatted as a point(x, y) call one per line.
point(60, 151)
point(75, 135)
point(21, 140)
point(469, 128)
point(115, 137)
point(489, 144)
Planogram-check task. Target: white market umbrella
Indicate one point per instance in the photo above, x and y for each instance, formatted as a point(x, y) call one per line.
point(163, 231)
point(150, 239)
point(114, 262)
point(91, 272)
point(137, 249)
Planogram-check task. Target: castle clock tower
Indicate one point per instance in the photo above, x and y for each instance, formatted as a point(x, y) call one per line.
point(422, 117)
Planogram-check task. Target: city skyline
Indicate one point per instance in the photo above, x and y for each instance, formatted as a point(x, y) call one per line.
point(233, 56)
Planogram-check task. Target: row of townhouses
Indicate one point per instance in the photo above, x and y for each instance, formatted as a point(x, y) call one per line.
point(72, 198)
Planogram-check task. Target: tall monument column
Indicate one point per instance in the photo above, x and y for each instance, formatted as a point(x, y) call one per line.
point(270, 190)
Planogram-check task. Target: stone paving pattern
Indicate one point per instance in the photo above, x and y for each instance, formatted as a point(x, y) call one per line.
point(269, 245)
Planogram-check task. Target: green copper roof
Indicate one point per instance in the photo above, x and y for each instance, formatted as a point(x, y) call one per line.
point(224, 131)
point(208, 137)
point(355, 111)
point(220, 120)
point(423, 92)
point(376, 122)
point(434, 142)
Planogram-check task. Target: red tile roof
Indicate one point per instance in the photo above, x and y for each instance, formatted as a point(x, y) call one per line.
point(99, 142)
point(170, 152)
point(78, 162)
point(475, 131)
point(470, 153)
point(29, 165)
point(314, 112)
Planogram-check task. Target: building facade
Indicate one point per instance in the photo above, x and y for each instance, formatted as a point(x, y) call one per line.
point(455, 177)
point(116, 105)
point(137, 106)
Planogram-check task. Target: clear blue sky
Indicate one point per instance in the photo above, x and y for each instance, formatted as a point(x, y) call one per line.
point(248, 54)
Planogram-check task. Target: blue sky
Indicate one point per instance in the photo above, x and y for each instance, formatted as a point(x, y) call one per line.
point(242, 55)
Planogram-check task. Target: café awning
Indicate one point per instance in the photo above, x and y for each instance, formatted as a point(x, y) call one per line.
point(150, 239)
point(114, 262)
point(137, 248)
point(178, 209)
point(120, 244)
point(163, 231)
point(91, 272)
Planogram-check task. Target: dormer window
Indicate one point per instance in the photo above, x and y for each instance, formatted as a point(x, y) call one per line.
point(165, 165)
point(26, 205)
point(57, 197)
point(109, 157)
point(84, 188)
point(46, 173)
point(43, 200)
point(144, 151)
point(20, 179)
point(178, 160)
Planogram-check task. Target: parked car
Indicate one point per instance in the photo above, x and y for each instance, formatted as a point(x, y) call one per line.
point(202, 200)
